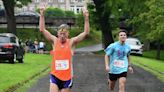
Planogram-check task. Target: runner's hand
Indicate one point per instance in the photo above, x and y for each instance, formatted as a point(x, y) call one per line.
point(107, 69)
point(85, 12)
point(42, 8)
point(130, 69)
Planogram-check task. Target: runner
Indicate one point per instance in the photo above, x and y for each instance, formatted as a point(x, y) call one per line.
point(61, 73)
point(117, 62)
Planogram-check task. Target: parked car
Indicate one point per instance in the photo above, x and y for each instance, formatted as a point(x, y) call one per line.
point(11, 48)
point(136, 46)
point(2, 12)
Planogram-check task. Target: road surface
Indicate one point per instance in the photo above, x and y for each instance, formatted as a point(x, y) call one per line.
point(90, 76)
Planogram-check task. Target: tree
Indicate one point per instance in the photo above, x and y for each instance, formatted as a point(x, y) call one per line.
point(9, 8)
point(103, 18)
point(107, 13)
point(132, 10)
point(70, 14)
point(54, 12)
point(155, 19)
point(80, 20)
point(147, 20)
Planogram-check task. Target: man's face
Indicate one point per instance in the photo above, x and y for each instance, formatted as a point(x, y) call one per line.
point(63, 35)
point(122, 36)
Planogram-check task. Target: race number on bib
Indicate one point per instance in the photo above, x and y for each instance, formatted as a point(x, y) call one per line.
point(119, 63)
point(61, 64)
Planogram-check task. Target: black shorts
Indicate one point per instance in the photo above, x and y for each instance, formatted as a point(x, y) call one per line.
point(114, 77)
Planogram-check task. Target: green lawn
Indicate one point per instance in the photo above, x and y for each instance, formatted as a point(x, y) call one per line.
point(152, 54)
point(93, 38)
point(12, 74)
point(151, 65)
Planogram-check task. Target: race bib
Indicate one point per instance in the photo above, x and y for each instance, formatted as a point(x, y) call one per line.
point(61, 64)
point(119, 63)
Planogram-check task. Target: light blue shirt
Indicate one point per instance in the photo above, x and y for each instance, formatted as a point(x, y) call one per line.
point(118, 57)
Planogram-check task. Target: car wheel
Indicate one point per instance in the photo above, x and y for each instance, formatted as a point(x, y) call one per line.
point(21, 60)
point(13, 60)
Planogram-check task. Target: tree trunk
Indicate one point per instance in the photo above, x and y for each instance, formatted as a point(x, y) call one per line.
point(158, 50)
point(146, 45)
point(11, 22)
point(106, 32)
point(103, 16)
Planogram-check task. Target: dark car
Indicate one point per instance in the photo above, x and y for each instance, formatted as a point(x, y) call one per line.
point(11, 48)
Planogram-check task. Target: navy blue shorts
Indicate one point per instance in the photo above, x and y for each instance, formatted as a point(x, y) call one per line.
point(61, 84)
point(114, 77)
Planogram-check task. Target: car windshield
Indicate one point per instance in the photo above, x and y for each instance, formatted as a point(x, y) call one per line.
point(4, 39)
point(133, 42)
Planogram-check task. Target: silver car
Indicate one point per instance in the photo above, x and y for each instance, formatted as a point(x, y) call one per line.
point(136, 46)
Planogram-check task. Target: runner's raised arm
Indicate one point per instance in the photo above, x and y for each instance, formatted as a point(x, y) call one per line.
point(81, 36)
point(45, 32)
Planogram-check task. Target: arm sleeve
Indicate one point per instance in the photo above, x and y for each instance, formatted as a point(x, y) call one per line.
point(109, 50)
point(129, 51)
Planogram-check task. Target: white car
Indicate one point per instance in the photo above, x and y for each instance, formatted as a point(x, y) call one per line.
point(136, 46)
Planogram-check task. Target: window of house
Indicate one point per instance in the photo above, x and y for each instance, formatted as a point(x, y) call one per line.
point(49, 0)
point(37, 1)
point(31, 8)
point(24, 8)
point(61, 1)
point(72, 0)
point(80, 0)
point(72, 8)
point(78, 10)
point(62, 7)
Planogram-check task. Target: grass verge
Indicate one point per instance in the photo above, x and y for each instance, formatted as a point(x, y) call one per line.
point(93, 38)
point(32, 82)
point(153, 66)
point(15, 74)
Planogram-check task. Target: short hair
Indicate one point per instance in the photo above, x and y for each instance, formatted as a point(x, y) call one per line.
point(63, 28)
point(122, 30)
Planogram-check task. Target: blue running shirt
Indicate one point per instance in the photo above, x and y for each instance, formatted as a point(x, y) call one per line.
point(118, 57)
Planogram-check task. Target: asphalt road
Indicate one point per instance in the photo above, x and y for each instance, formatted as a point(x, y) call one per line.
point(90, 76)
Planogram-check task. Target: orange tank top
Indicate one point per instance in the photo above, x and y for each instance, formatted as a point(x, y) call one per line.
point(62, 61)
